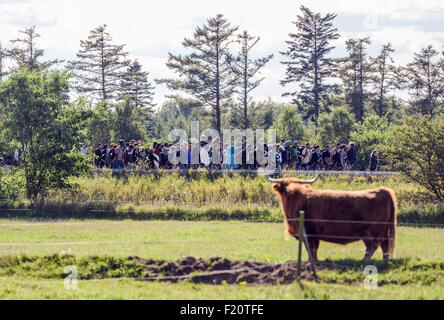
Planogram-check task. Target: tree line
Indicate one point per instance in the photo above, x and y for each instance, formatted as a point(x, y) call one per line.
point(219, 72)
point(330, 98)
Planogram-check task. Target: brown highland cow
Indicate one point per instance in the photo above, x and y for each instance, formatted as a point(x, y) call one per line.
point(340, 217)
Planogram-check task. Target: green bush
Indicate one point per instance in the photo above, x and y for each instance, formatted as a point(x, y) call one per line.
point(289, 125)
point(12, 184)
point(336, 126)
point(368, 136)
point(36, 112)
point(416, 149)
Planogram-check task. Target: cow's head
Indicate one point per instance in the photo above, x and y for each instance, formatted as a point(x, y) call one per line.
point(292, 193)
point(291, 186)
point(280, 184)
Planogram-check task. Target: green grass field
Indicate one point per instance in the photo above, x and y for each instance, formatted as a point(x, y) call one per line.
point(108, 219)
point(417, 272)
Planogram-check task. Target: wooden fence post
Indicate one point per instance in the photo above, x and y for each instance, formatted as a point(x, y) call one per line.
point(301, 239)
point(310, 256)
point(304, 239)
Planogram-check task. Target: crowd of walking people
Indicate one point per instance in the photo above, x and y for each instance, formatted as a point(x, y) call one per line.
point(213, 155)
point(287, 155)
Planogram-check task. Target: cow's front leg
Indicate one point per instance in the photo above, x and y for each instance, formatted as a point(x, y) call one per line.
point(371, 247)
point(314, 246)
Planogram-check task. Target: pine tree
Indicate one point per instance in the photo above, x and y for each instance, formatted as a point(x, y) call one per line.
point(425, 82)
point(246, 69)
point(3, 55)
point(308, 63)
point(385, 78)
point(26, 53)
point(355, 72)
point(99, 66)
point(136, 87)
point(204, 72)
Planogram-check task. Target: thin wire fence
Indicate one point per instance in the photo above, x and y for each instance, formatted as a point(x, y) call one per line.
point(399, 223)
point(174, 215)
point(188, 241)
point(5, 245)
point(323, 235)
point(260, 172)
point(147, 221)
point(344, 221)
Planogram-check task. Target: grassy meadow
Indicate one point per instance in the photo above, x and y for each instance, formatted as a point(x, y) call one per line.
point(33, 255)
point(108, 218)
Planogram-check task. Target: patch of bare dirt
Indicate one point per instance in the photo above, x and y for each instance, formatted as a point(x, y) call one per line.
point(223, 271)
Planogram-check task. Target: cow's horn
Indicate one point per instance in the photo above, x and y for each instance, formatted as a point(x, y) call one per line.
point(311, 181)
point(273, 180)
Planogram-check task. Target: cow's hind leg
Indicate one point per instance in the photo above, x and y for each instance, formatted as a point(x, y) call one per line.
point(371, 247)
point(385, 245)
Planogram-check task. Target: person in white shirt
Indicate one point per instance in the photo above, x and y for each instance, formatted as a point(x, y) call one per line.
point(16, 157)
point(204, 156)
point(84, 149)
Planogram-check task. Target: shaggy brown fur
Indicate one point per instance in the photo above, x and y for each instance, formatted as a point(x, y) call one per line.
point(341, 216)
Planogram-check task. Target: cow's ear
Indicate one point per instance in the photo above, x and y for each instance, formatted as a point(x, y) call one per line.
point(278, 187)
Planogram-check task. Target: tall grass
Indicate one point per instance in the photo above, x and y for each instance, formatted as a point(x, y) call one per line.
point(201, 189)
point(201, 196)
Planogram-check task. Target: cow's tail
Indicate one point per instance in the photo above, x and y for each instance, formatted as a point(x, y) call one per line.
point(392, 226)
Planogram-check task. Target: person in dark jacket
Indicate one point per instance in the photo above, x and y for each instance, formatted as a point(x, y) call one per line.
point(336, 161)
point(315, 161)
point(100, 154)
point(374, 161)
point(326, 158)
point(351, 156)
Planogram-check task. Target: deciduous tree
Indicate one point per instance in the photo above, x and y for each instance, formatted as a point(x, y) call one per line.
point(289, 125)
point(368, 136)
point(416, 149)
point(336, 126)
point(38, 116)
point(127, 123)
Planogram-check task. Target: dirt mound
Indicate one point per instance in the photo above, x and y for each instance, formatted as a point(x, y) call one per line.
point(224, 271)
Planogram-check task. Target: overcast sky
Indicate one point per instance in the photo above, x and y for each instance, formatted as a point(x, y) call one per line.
point(151, 29)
